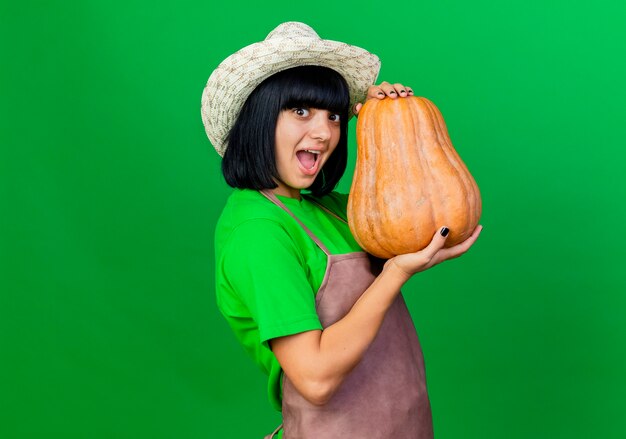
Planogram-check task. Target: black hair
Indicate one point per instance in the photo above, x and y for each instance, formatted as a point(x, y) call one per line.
point(249, 160)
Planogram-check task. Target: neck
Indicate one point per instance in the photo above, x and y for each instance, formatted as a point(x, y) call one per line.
point(287, 192)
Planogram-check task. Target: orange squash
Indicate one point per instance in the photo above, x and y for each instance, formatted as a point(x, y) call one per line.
point(408, 180)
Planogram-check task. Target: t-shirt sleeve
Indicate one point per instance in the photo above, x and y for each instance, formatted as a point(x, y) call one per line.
point(265, 270)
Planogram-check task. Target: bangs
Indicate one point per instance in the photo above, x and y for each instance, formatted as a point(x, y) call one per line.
point(249, 161)
point(314, 87)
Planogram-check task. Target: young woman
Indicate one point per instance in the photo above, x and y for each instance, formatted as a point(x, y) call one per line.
point(323, 319)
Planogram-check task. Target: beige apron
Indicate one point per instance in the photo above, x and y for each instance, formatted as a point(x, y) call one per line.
point(385, 394)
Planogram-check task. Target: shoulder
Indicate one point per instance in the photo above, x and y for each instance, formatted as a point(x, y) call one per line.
point(245, 206)
point(249, 220)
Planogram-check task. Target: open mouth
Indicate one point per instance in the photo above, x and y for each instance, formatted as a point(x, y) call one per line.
point(308, 160)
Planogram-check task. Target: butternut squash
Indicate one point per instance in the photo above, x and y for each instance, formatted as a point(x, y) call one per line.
point(408, 180)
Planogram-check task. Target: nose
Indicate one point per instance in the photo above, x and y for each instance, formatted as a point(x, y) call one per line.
point(321, 126)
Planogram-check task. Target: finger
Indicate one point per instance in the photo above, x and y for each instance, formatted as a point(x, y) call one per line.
point(461, 248)
point(400, 89)
point(389, 90)
point(374, 91)
point(357, 108)
point(410, 91)
point(437, 243)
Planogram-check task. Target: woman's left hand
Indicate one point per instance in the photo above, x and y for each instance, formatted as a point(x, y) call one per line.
point(383, 90)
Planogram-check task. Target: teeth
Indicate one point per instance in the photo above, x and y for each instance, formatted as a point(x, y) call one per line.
point(312, 152)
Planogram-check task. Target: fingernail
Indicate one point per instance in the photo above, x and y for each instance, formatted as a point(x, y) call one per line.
point(402, 91)
point(380, 93)
point(444, 232)
point(392, 92)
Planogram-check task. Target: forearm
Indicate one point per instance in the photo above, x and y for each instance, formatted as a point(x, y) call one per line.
point(343, 344)
point(317, 362)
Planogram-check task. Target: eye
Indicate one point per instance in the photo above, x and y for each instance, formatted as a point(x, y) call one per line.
point(302, 112)
point(335, 117)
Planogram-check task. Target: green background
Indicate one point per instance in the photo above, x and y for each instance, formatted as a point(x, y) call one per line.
point(110, 192)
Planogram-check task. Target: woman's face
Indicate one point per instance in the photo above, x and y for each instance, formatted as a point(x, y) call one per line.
point(305, 139)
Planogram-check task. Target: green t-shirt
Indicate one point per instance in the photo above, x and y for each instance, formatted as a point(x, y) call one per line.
point(268, 269)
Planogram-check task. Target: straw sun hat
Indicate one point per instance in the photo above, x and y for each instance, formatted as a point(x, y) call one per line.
point(291, 44)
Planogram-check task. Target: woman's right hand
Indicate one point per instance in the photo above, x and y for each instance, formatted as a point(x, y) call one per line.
point(410, 263)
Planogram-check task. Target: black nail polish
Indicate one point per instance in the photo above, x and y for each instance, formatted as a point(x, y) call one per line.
point(380, 93)
point(392, 92)
point(444, 232)
point(402, 91)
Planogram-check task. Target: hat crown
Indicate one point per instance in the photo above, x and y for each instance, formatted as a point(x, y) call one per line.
point(292, 29)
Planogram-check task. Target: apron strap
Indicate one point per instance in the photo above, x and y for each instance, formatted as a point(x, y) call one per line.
point(270, 196)
point(271, 436)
